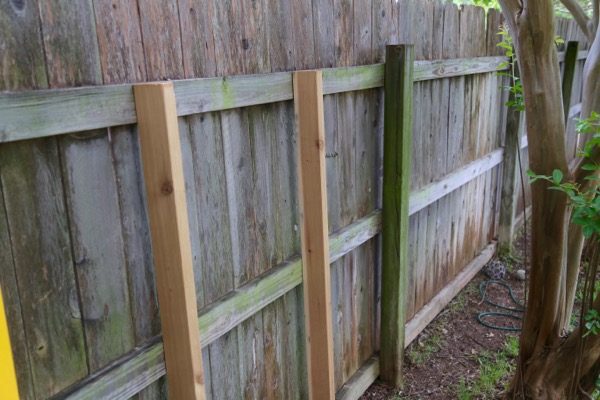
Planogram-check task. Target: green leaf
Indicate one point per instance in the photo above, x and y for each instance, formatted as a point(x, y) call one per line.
point(557, 176)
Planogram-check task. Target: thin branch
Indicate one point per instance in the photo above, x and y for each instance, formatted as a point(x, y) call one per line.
point(511, 9)
point(580, 16)
point(596, 4)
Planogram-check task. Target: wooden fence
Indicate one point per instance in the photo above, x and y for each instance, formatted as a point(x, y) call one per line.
point(75, 254)
point(572, 59)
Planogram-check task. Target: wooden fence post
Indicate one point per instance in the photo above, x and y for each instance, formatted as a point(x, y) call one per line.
point(397, 131)
point(163, 175)
point(568, 75)
point(510, 176)
point(308, 102)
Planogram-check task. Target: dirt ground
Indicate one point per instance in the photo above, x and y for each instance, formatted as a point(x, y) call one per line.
point(448, 353)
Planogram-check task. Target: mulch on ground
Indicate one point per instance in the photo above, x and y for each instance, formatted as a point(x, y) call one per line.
point(459, 339)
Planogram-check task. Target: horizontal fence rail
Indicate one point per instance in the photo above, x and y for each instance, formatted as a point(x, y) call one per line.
point(40, 113)
point(132, 373)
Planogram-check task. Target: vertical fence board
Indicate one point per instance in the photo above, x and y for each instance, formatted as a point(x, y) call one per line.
point(308, 100)
point(570, 64)
point(73, 59)
point(23, 67)
point(365, 151)
point(240, 175)
point(162, 39)
point(37, 222)
point(396, 181)
point(165, 188)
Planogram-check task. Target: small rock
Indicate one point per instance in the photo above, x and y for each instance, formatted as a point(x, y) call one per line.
point(520, 275)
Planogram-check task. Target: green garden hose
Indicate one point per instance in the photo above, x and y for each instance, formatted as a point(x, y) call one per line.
point(513, 312)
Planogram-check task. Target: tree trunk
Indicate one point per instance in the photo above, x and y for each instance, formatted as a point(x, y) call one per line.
point(547, 361)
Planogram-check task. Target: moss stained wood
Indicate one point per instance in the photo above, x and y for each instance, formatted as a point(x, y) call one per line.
point(396, 181)
point(132, 47)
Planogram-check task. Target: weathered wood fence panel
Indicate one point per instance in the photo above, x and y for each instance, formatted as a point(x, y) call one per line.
point(567, 30)
point(75, 260)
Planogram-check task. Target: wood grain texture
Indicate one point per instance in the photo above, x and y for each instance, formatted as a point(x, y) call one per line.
point(97, 247)
point(360, 381)
point(160, 27)
point(308, 100)
point(23, 67)
point(435, 191)
point(416, 324)
point(252, 45)
point(396, 180)
point(37, 222)
point(163, 173)
point(30, 115)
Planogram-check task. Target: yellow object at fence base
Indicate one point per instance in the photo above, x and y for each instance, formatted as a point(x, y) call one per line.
point(8, 379)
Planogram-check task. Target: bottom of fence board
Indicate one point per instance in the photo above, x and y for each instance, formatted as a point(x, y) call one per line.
point(368, 373)
point(360, 381)
point(441, 300)
point(136, 371)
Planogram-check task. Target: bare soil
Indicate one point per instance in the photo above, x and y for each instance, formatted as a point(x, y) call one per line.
point(446, 352)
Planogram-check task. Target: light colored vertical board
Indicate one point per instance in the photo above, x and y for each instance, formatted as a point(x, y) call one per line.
point(384, 27)
point(161, 39)
point(227, 35)
point(119, 41)
point(136, 240)
point(285, 363)
point(273, 344)
point(122, 60)
point(397, 153)
point(224, 353)
point(22, 66)
point(308, 100)
point(455, 130)
point(196, 19)
point(304, 34)
point(405, 11)
point(438, 154)
point(343, 14)
point(416, 178)
point(511, 186)
point(211, 208)
point(255, 46)
point(251, 352)
point(165, 188)
point(205, 177)
point(280, 36)
point(497, 112)
point(37, 223)
point(23, 63)
point(98, 247)
point(296, 386)
point(424, 18)
point(365, 148)
point(71, 49)
point(70, 43)
point(481, 134)
point(223, 358)
point(453, 127)
point(324, 33)
point(468, 42)
point(226, 380)
point(192, 191)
